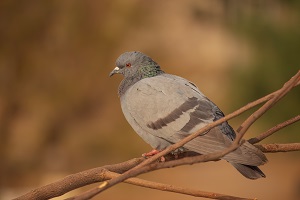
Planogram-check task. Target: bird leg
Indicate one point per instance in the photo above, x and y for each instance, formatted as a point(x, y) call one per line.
point(152, 153)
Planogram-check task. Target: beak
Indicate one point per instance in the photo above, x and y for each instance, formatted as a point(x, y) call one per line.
point(115, 71)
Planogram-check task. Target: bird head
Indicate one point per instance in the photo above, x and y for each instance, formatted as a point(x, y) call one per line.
point(132, 63)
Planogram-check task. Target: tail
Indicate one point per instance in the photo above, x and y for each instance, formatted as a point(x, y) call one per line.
point(251, 172)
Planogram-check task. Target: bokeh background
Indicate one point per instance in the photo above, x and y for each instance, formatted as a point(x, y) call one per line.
point(60, 113)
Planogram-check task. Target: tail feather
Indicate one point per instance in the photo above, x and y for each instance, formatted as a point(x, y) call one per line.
point(251, 172)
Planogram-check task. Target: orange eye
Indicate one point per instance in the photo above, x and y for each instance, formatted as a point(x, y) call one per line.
point(128, 64)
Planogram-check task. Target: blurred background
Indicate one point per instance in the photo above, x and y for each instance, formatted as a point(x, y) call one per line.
point(60, 113)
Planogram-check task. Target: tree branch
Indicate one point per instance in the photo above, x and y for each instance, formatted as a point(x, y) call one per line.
point(175, 189)
point(274, 129)
point(275, 148)
point(78, 180)
point(99, 174)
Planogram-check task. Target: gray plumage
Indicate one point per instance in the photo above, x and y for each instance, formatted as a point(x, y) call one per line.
point(164, 108)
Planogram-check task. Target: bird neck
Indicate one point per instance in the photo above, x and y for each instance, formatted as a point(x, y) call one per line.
point(146, 71)
point(126, 83)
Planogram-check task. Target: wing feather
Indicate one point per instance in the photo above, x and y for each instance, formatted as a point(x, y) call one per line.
point(163, 112)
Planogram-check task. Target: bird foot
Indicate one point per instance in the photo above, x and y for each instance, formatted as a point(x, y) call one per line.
point(152, 153)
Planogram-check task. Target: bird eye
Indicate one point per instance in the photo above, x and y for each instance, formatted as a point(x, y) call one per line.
point(128, 64)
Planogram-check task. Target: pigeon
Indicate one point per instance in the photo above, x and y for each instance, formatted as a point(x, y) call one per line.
point(163, 109)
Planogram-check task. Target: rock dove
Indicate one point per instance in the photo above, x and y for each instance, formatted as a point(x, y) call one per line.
point(164, 108)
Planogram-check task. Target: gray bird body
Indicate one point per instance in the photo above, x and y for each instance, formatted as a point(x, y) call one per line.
point(164, 108)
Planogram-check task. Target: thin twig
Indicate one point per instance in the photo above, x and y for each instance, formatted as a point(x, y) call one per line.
point(273, 130)
point(269, 104)
point(275, 148)
point(175, 189)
